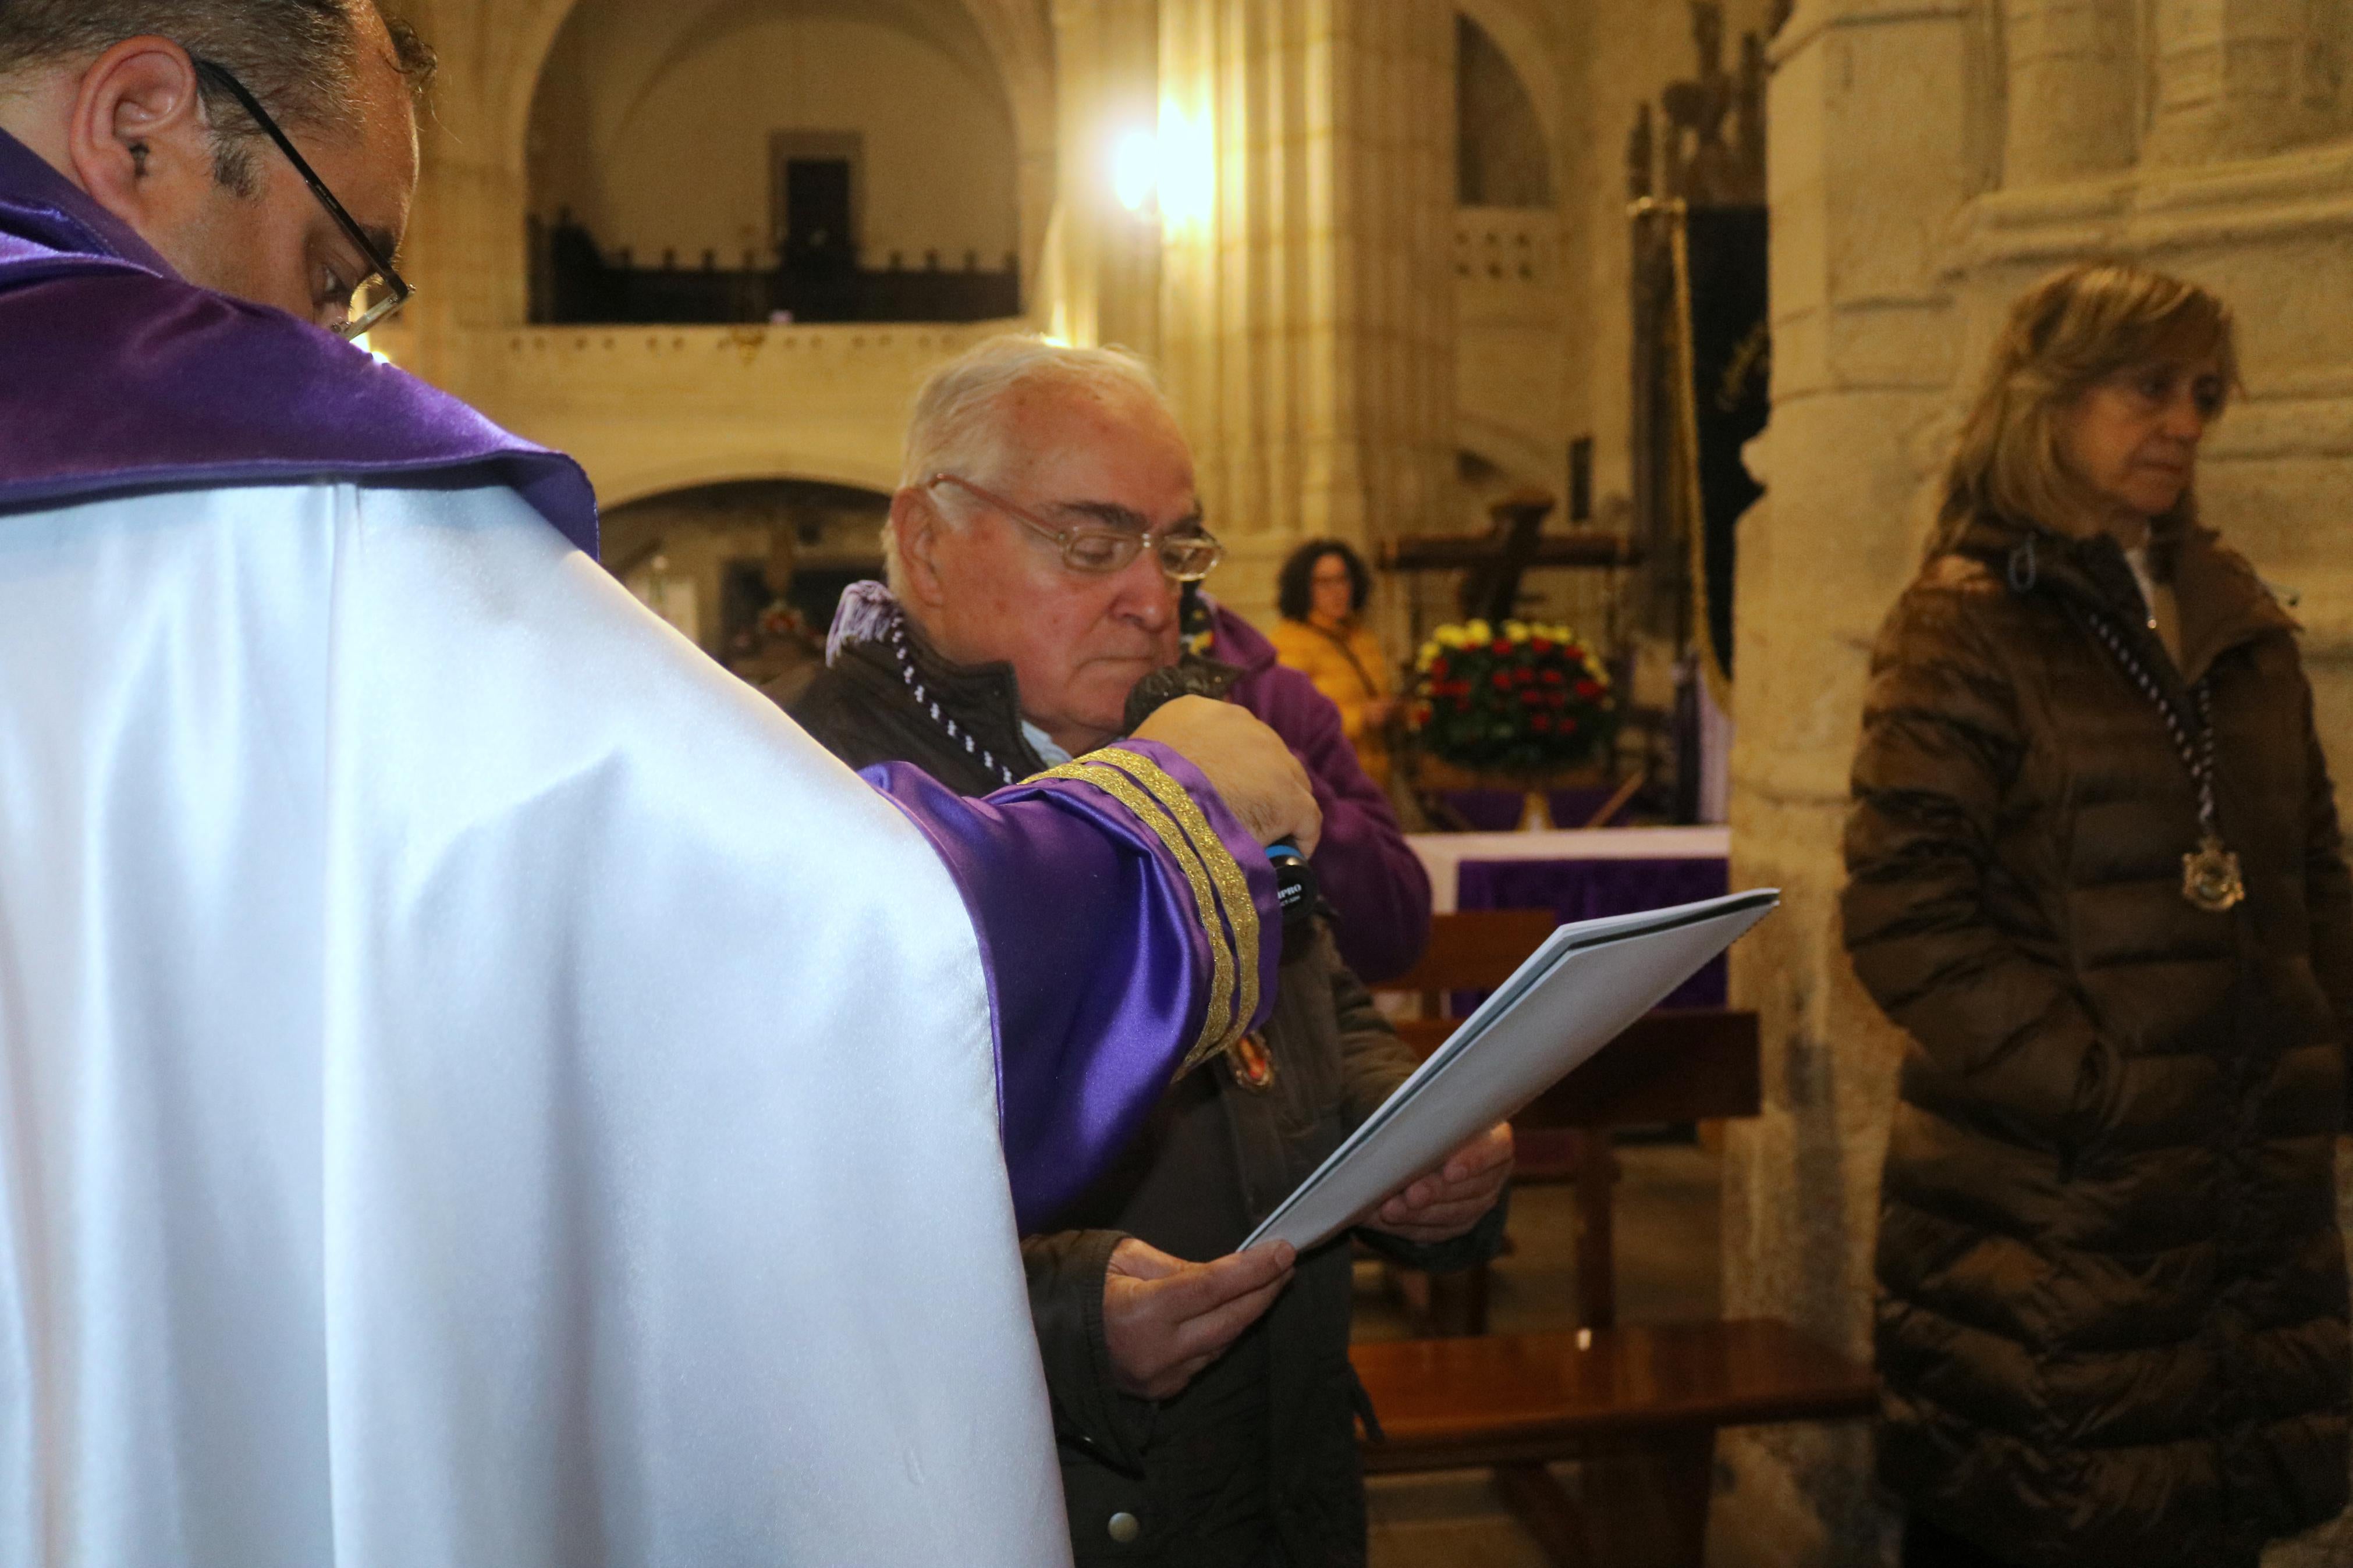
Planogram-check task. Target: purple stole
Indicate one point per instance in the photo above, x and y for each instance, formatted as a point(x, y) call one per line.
point(117, 376)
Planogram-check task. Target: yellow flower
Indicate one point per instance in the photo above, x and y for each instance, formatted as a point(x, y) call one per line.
point(1478, 631)
point(1517, 631)
point(1447, 636)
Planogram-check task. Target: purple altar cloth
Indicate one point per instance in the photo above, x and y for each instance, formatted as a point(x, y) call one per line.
point(1586, 889)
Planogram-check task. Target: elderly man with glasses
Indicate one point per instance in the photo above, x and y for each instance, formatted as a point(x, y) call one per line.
point(459, 1050)
point(1036, 553)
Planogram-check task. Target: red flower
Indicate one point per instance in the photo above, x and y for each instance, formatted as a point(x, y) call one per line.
point(1540, 644)
point(1502, 679)
point(1499, 646)
point(1588, 689)
point(1568, 725)
point(1525, 677)
point(1541, 723)
point(1437, 666)
point(1533, 699)
point(1555, 678)
point(1559, 699)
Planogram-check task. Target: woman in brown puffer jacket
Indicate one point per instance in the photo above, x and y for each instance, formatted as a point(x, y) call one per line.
point(2094, 875)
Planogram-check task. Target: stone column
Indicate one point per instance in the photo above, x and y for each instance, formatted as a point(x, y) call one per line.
point(1871, 117)
point(2227, 79)
point(464, 248)
point(1307, 295)
point(1107, 67)
point(2073, 103)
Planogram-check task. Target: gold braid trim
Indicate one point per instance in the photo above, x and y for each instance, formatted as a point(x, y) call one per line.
point(1233, 887)
point(1220, 1026)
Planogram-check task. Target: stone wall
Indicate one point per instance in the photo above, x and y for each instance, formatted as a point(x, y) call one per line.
point(1930, 158)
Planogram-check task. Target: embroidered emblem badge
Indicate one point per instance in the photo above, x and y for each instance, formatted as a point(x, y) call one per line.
point(1252, 1067)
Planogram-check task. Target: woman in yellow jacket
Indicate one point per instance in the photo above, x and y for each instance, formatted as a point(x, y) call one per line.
point(1320, 594)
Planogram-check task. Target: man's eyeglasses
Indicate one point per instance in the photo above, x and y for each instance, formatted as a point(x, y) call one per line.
point(1187, 553)
point(347, 313)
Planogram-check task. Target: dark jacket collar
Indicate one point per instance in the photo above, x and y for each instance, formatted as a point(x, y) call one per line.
point(39, 204)
point(874, 643)
point(871, 628)
point(2222, 602)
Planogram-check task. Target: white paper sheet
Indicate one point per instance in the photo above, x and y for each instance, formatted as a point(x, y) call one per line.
point(1575, 994)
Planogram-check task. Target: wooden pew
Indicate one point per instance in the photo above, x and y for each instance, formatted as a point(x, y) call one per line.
point(1472, 949)
point(1672, 1066)
point(1639, 1406)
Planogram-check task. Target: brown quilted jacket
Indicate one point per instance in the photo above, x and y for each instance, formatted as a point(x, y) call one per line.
point(2112, 1317)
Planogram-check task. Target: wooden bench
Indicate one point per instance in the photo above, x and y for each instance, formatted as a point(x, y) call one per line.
point(1640, 1405)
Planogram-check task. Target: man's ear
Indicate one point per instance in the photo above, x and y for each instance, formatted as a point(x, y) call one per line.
point(916, 531)
point(138, 140)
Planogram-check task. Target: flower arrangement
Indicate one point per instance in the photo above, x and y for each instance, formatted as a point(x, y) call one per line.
point(1521, 698)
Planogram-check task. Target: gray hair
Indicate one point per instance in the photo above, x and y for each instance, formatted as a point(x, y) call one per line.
point(961, 423)
point(300, 58)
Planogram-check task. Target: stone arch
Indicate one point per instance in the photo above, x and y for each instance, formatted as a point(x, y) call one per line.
point(1017, 35)
point(1523, 42)
point(1019, 47)
point(716, 560)
point(632, 482)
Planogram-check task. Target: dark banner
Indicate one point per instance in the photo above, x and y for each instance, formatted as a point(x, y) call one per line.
point(1731, 361)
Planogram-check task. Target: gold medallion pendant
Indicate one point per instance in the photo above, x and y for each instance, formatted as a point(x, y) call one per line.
point(2210, 878)
point(1252, 1067)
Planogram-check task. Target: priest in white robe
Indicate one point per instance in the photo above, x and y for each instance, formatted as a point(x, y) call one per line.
point(478, 1088)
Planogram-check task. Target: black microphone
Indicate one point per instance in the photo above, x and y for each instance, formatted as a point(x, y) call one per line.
point(1294, 878)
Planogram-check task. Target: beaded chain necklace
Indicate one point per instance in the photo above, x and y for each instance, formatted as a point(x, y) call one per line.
point(905, 660)
point(2211, 878)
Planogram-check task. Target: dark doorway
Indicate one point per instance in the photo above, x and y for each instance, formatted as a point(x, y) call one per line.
point(815, 187)
point(817, 234)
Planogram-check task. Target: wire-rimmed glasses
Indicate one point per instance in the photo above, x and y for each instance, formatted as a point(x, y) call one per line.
point(372, 296)
point(1186, 553)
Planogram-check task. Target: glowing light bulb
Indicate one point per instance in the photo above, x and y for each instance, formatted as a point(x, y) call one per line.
point(1189, 168)
point(1136, 169)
